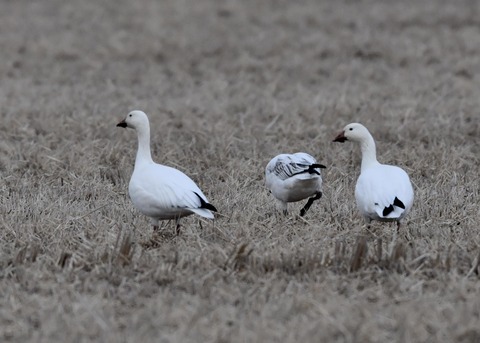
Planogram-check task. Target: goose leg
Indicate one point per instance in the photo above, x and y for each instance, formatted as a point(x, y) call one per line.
point(177, 226)
point(369, 222)
point(156, 224)
point(282, 206)
point(309, 203)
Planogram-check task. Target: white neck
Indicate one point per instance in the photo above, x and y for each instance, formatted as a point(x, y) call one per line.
point(143, 153)
point(369, 154)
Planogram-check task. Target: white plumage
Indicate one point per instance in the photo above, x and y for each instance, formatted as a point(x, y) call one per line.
point(294, 177)
point(158, 191)
point(383, 192)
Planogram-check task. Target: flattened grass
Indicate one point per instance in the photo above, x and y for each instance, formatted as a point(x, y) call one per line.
point(227, 86)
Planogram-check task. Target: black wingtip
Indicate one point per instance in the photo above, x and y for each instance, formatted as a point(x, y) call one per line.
point(312, 169)
point(397, 202)
point(209, 207)
point(387, 210)
point(205, 205)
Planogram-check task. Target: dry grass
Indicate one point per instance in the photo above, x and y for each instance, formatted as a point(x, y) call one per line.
point(229, 84)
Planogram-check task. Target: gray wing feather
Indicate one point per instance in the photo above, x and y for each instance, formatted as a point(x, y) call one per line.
point(290, 165)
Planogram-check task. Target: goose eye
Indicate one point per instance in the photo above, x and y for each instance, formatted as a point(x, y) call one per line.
point(351, 129)
point(129, 115)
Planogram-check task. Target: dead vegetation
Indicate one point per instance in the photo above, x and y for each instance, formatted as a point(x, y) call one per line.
point(227, 86)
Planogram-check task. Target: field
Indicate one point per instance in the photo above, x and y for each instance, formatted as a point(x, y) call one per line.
point(227, 86)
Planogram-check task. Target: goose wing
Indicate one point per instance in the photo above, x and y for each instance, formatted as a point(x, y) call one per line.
point(161, 189)
point(285, 166)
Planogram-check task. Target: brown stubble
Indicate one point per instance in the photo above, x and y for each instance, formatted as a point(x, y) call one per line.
point(228, 86)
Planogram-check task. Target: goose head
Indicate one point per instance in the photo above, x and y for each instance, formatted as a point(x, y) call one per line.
point(352, 132)
point(134, 120)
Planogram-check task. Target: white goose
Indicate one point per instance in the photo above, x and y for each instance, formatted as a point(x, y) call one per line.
point(158, 191)
point(294, 177)
point(383, 192)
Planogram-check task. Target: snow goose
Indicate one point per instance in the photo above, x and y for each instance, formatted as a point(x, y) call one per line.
point(158, 191)
point(383, 192)
point(294, 177)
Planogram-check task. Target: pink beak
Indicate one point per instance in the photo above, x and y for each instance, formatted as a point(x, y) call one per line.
point(341, 137)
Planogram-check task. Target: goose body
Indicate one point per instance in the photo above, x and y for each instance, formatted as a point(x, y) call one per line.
point(383, 192)
point(379, 191)
point(294, 177)
point(157, 191)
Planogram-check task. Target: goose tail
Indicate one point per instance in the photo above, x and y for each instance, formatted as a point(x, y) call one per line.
point(203, 212)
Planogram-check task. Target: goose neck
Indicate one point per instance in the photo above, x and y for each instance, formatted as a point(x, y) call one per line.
point(143, 153)
point(369, 154)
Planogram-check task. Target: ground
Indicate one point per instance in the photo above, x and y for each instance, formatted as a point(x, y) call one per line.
point(227, 86)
